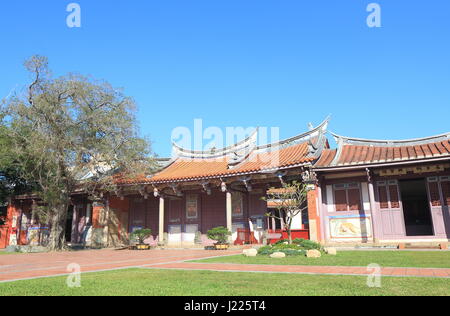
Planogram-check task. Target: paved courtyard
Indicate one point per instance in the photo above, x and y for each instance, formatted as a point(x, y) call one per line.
point(25, 266)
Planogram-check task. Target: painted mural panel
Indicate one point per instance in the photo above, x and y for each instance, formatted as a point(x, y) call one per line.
point(33, 235)
point(350, 226)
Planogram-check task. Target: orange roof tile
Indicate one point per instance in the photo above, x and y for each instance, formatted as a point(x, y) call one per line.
point(242, 158)
point(192, 169)
point(354, 151)
point(326, 158)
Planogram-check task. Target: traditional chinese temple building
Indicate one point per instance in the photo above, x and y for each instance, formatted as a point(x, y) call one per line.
point(375, 191)
point(363, 191)
point(200, 190)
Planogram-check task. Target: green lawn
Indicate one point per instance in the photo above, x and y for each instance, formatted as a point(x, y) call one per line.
point(2, 252)
point(419, 259)
point(202, 283)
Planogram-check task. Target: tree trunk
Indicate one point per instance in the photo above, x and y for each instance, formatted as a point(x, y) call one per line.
point(57, 239)
point(289, 235)
point(288, 226)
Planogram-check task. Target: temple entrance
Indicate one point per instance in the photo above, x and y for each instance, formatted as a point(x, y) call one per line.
point(3, 213)
point(416, 208)
point(69, 222)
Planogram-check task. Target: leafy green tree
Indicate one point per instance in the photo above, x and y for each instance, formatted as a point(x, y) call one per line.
point(290, 202)
point(10, 181)
point(72, 133)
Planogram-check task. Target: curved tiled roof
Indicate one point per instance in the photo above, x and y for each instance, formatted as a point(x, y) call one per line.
point(357, 151)
point(241, 159)
point(326, 158)
point(195, 169)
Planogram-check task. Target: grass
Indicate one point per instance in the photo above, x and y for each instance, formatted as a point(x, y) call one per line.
point(207, 283)
point(2, 252)
point(412, 259)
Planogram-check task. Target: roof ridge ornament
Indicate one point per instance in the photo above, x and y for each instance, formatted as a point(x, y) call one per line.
point(340, 142)
point(214, 152)
point(322, 127)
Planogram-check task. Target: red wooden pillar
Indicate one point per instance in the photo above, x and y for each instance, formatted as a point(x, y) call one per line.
point(313, 214)
point(4, 230)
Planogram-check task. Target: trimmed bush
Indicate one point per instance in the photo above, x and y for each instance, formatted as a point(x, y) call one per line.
point(265, 250)
point(289, 250)
point(308, 244)
point(299, 247)
point(281, 241)
point(293, 252)
point(219, 234)
point(141, 234)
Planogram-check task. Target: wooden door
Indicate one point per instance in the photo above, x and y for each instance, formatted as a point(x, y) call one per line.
point(391, 212)
point(137, 215)
point(446, 209)
point(439, 197)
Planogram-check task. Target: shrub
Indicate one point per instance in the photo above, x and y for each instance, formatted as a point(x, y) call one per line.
point(219, 234)
point(281, 241)
point(265, 250)
point(289, 250)
point(299, 247)
point(141, 234)
point(308, 244)
point(293, 252)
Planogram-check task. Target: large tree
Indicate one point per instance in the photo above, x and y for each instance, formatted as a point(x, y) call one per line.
point(11, 182)
point(71, 133)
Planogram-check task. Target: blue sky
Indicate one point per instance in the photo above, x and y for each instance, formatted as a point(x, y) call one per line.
point(274, 63)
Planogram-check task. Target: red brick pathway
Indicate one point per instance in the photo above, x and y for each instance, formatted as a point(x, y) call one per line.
point(23, 266)
point(16, 267)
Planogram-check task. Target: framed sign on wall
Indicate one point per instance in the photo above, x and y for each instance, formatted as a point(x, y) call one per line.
point(237, 204)
point(191, 206)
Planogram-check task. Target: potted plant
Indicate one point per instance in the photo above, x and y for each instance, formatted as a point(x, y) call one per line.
point(220, 235)
point(141, 235)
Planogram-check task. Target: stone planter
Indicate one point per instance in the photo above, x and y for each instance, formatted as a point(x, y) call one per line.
point(221, 246)
point(142, 247)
